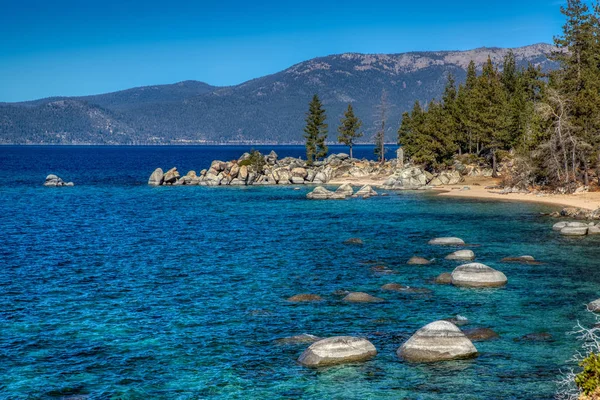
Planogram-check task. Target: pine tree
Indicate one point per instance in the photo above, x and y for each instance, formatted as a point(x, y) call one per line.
point(349, 128)
point(315, 131)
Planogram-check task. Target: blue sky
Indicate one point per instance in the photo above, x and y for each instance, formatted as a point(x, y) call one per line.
point(80, 47)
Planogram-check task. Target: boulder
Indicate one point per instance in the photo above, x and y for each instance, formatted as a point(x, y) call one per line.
point(304, 298)
point(156, 179)
point(574, 231)
point(243, 173)
point(354, 241)
point(594, 306)
point(366, 191)
point(438, 341)
point(559, 225)
point(337, 350)
point(535, 337)
point(461, 255)
point(447, 241)
point(299, 172)
point(393, 287)
point(53, 180)
point(594, 230)
point(477, 275)
point(418, 261)
point(296, 180)
point(171, 176)
point(443, 279)
point(319, 193)
point(303, 338)
point(271, 158)
point(345, 190)
point(520, 259)
point(480, 334)
point(361, 297)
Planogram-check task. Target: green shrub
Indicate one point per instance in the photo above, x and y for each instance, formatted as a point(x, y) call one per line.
point(588, 380)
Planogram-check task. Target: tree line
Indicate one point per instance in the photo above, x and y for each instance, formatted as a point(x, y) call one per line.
point(547, 123)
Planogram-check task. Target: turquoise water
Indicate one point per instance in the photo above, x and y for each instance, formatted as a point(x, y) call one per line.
point(113, 289)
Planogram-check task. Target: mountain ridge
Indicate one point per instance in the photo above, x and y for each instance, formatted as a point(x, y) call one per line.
point(267, 109)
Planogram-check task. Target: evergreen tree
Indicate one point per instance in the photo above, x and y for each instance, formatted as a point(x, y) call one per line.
point(315, 131)
point(349, 128)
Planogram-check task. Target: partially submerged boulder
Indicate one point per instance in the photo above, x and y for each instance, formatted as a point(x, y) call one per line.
point(337, 350)
point(418, 261)
point(54, 181)
point(305, 297)
point(447, 241)
point(366, 191)
point(520, 259)
point(477, 275)
point(574, 231)
point(354, 241)
point(361, 297)
point(443, 279)
point(320, 193)
point(345, 190)
point(461, 255)
point(157, 177)
point(438, 341)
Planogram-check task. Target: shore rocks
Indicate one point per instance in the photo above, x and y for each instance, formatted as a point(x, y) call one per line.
point(443, 279)
point(337, 350)
point(447, 241)
point(54, 181)
point(418, 261)
point(594, 306)
point(305, 297)
point(461, 255)
point(361, 297)
point(438, 341)
point(480, 334)
point(477, 275)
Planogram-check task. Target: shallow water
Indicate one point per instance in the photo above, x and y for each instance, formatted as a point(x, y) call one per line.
point(114, 289)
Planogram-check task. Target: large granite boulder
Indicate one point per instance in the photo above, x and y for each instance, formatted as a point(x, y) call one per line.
point(345, 190)
point(447, 241)
point(438, 341)
point(366, 191)
point(361, 297)
point(319, 193)
point(477, 275)
point(461, 255)
point(171, 176)
point(337, 350)
point(157, 177)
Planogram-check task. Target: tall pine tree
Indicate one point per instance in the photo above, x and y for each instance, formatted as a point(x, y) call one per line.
point(349, 128)
point(315, 131)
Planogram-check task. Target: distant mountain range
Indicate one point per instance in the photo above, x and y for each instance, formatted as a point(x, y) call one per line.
point(270, 109)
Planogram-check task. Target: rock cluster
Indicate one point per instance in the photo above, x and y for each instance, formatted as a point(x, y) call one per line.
point(53, 180)
point(577, 228)
point(577, 213)
point(438, 341)
point(343, 192)
point(337, 350)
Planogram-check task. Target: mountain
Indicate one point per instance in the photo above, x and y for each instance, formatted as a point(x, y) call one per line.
point(270, 109)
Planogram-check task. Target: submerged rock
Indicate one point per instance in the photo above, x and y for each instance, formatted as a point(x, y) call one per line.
point(418, 261)
point(594, 306)
point(461, 255)
point(443, 279)
point(305, 297)
point(480, 334)
point(520, 259)
point(304, 338)
point(458, 320)
point(337, 350)
point(438, 341)
point(477, 275)
point(535, 337)
point(354, 241)
point(394, 287)
point(447, 241)
point(361, 297)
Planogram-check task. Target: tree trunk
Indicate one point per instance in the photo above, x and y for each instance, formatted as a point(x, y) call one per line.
point(350, 151)
point(494, 167)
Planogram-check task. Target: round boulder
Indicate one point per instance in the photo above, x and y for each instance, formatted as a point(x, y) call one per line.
point(574, 230)
point(461, 255)
point(305, 298)
point(361, 297)
point(477, 275)
point(438, 341)
point(418, 261)
point(337, 350)
point(447, 241)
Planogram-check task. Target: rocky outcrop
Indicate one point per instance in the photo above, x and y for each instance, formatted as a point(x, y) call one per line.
point(409, 178)
point(447, 178)
point(337, 350)
point(447, 241)
point(55, 181)
point(418, 261)
point(361, 297)
point(305, 297)
point(438, 341)
point(461, 255)
point(477, 275)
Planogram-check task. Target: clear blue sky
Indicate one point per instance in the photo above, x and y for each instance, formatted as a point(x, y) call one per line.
point(58, 47)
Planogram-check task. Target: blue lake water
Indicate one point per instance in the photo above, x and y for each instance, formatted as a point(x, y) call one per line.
point(116, 290)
